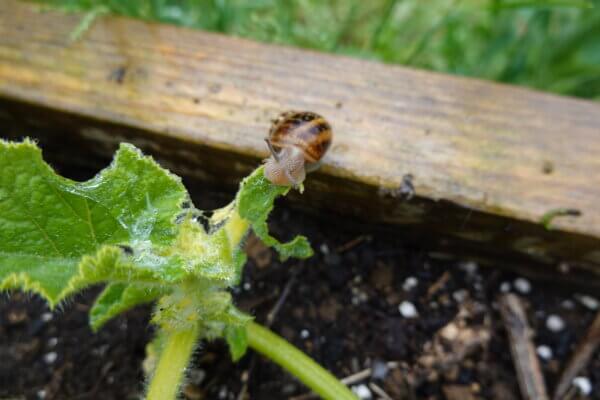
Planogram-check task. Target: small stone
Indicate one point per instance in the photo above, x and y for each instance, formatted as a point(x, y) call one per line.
point(568, 304)
point(47, 316)
point(379, 370)
point(544, 352)
point(410, 283)
point(460, 295)
point(588, 301)
point(564, 268)
point(324, 249)
point(522, 285)
point(362, 391)
point(247, 286)
point(41, 394)
point(289, 389)
point(555, 323)
point(223, 393)
point(470, 267)
point(505, 287)
point(304, 334)
point(583, 384)
point(408, 309)
point(450, 332)
point(196, 376)
point(52, 342)
point(50, 358)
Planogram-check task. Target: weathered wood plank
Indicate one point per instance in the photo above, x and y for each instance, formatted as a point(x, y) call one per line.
point(488, 161)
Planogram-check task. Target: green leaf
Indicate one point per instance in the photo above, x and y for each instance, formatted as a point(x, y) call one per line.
point(119, 297)
point(57, 235)
point(128, 227)
point(255, 201)
point(237, 339)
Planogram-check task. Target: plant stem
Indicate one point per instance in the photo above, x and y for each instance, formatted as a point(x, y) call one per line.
point(172, 363)
point(297, 363)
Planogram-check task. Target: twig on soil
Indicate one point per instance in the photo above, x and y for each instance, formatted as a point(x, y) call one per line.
point(357, 377)
point(352, 243)
point(379, 391)
point(269, 322)
point(244, 377)
point(523, 352)
point(349, 380)
point(282, 298)
point(580, 358)
point(438, 284)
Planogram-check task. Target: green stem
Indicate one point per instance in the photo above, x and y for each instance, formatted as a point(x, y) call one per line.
point(173, 361)
point(297, 363)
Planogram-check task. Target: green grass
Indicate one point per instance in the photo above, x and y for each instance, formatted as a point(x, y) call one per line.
point(552, 45)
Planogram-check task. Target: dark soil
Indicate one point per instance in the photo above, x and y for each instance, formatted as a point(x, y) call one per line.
point(342, 308)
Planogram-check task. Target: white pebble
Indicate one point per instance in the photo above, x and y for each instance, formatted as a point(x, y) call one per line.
point(544, 352)
point(588, 301)
point(555, 323)
point(41, 394)
point(583, 384)
point(304, 334)
point(460, 295)
point(505, 287)
point(408, 309)
point(324, 249)
point(522, 285)
point(410, 283)
point(568, 304)
point(49, 358)
point(247, 286)
point(470, 267)
point(362, 391)
point(223, 393)
point(47, 316)
point(52, 342)
point(196, 376)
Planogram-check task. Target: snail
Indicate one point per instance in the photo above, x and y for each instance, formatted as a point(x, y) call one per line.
point(298, 140)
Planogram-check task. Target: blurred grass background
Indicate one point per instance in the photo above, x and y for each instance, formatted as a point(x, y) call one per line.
point(552, 45)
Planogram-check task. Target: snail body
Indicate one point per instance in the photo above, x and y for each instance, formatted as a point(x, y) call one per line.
point(297, 142)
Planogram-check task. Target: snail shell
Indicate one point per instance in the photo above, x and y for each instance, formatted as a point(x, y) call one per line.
point(297, 142)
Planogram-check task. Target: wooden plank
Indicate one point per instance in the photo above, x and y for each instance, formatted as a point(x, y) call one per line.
point(488, 161)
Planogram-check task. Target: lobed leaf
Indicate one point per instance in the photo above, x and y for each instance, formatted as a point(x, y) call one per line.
point(255, 201)
point(57, 235)
point(237, 340)
point(119, 297)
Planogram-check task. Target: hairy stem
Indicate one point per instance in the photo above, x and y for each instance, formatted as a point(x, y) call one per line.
point(172, 363)
point(297, 363)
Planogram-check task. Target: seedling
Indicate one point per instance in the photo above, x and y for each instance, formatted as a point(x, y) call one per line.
point(134, 227)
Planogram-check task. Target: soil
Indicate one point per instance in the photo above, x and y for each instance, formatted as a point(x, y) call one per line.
point(342, 307)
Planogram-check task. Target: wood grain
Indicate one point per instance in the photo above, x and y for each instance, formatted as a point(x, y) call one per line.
point(488, 161)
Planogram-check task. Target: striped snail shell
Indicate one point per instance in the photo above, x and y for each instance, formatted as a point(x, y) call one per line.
point(298, 140)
